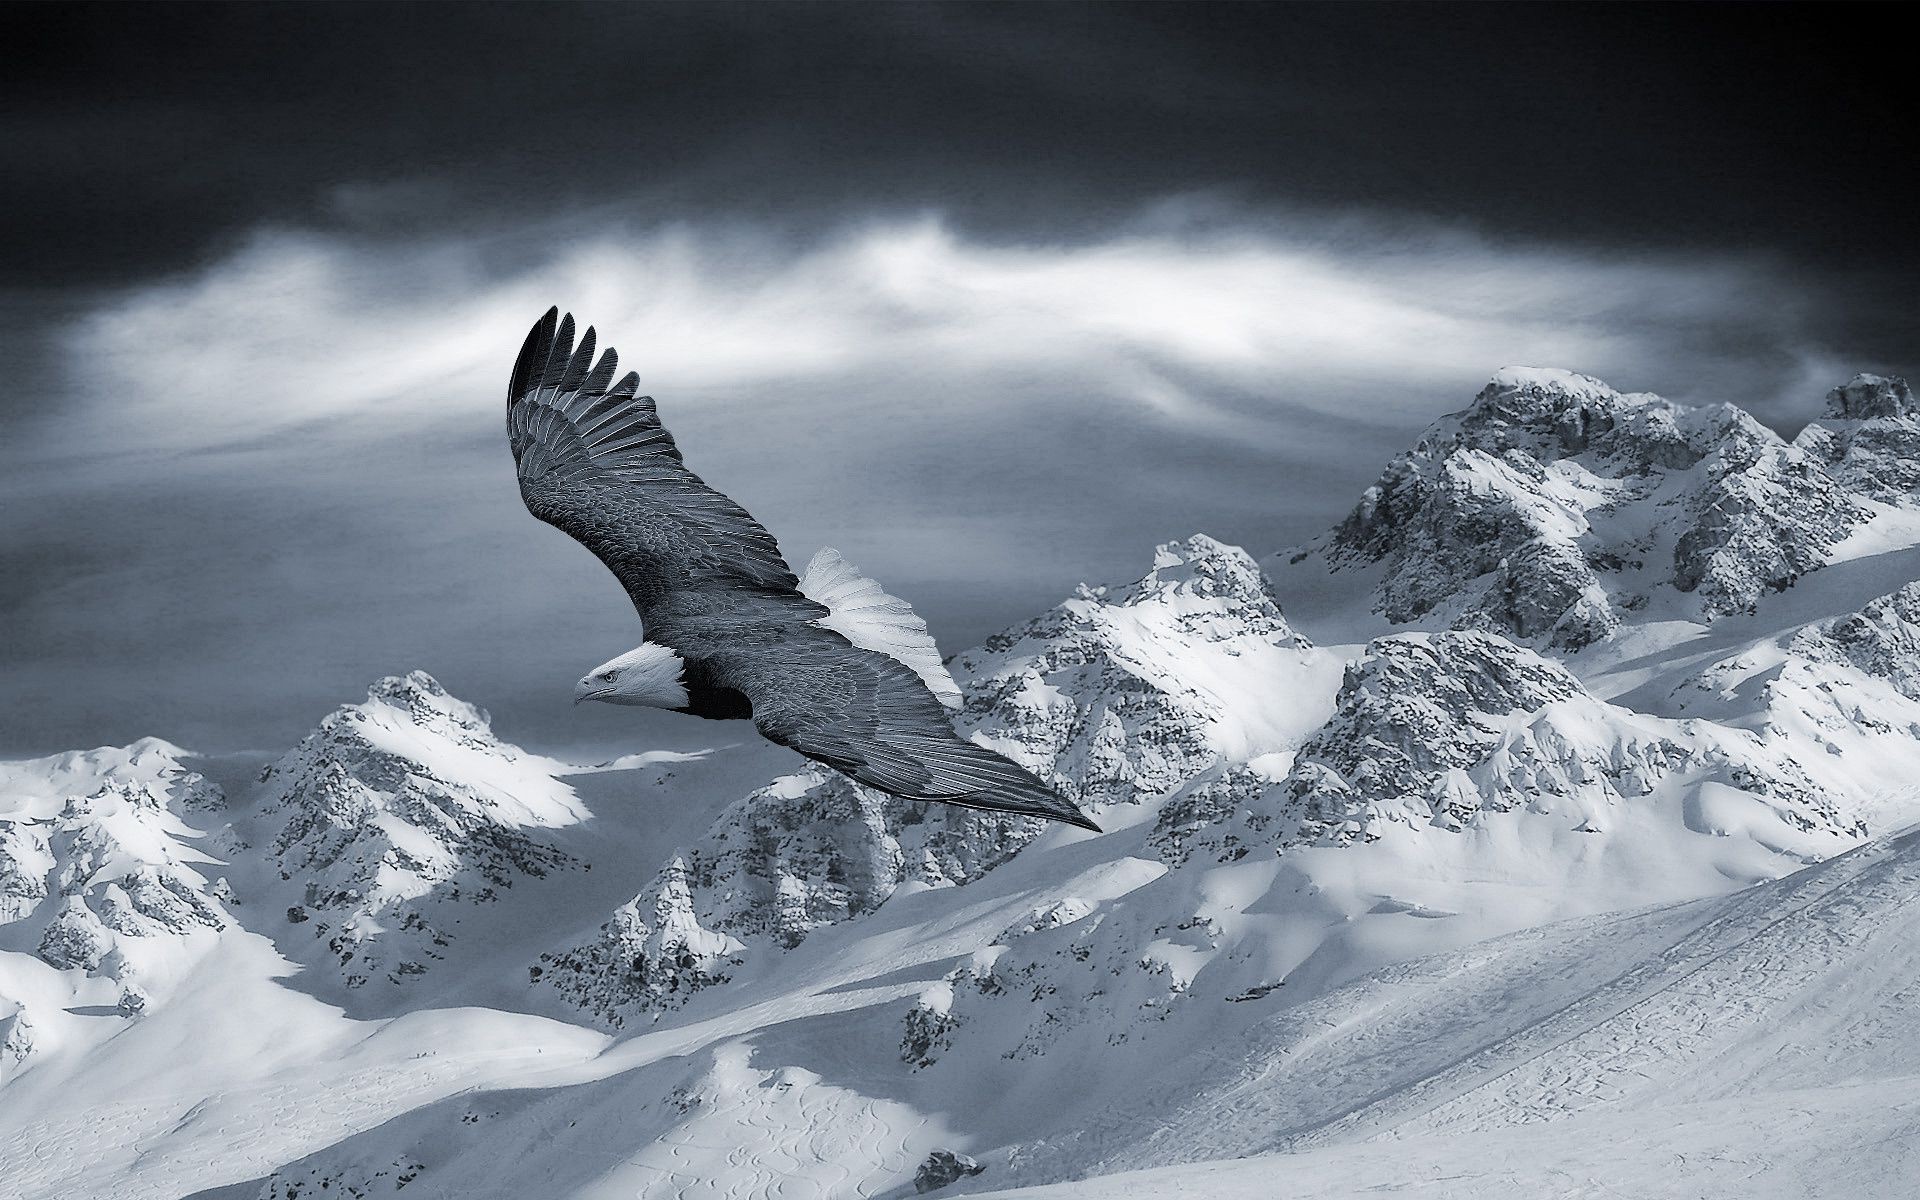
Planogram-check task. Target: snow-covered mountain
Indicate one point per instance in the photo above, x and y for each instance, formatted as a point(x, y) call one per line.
point(1554, 795)
point(401, 815)
point(100, 879)
point(1555, 508)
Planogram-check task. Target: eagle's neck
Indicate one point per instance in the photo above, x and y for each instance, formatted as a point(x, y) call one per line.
point(710, 699)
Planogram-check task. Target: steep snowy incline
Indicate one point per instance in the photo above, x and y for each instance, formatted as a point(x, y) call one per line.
point(1763, 1044)
point(1785, 998)
point(1118, 696)
point(1465, 788)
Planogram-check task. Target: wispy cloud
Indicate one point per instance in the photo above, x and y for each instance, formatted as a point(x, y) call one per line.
point(298, 326)
point(285, 472)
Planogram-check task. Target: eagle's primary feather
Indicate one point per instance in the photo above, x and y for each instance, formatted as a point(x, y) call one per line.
point(710, 583)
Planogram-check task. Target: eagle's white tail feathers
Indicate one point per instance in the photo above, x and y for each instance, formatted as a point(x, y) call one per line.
point(871, 619)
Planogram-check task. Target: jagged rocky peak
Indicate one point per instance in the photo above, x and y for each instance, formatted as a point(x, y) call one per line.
point(1872, 398)
point(1551, 414)
point(1118, 695)
point(400, 810)
point(653, 954)
point(1553, 506)
point(430, 706)
point(1444, 730)
point(1869, 439)
point(1412, 710)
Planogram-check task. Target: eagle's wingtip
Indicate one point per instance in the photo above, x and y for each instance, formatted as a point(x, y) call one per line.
point(1082, 821)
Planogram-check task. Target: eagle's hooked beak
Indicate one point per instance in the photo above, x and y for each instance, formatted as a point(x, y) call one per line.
point(583, 692)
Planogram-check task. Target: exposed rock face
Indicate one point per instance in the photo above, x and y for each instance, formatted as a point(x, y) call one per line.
point(1121, 694)
point(1869, 439)
point(118, 873)
point(1872, 398)
point(25, 864)
point(929, 1025)
point(400, 813)
point(653, 954)
point(16, 1036)
point(1412, 711)
point(1117, 696)
point(942, 1168)
point(1548, 508)
point(1881, 640)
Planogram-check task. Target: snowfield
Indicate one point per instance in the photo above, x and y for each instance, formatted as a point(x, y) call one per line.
point(1550, 827)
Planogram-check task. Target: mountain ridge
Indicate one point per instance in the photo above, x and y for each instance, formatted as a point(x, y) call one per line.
point(1590, 652)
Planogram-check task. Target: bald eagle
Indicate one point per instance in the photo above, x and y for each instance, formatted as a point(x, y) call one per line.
point(826, 663)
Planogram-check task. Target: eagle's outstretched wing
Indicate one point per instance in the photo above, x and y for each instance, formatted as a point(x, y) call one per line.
point(595, 462)
point(709, 581)
point(871, 717)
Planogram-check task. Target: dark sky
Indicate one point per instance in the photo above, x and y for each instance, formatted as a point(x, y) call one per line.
point(991, 297)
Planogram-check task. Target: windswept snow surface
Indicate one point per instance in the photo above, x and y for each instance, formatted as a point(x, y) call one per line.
point(1542, 830)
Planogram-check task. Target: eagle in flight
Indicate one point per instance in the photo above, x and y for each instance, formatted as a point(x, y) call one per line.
point(826, 663)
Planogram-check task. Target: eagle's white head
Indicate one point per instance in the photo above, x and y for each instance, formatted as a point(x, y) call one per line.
point(648, 675)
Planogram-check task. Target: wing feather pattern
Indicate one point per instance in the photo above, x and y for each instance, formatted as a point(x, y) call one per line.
point(873, 619)
point(595, 462)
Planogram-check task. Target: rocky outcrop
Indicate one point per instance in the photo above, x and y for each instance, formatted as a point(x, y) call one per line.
point(1121, 694)
point(98, 871)
point(16, 1037)
point(941, 1168)
point(25, 865)
point(1881, 640)
point(1869, 439)
point(652, 955)
point(1873, 398)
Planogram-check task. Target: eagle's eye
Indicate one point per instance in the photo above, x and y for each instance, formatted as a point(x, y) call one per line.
point(608, 675)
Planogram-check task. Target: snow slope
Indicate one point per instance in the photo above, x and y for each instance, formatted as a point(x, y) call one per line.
point(1538, 830)
point(1762, 1044)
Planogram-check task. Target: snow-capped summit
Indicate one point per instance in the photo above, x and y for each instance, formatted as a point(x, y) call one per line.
point(1554, 509)
point(398, 814)
point(1199, 579)
point(1119, 692)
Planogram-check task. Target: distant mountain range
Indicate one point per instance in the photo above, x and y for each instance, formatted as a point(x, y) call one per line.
point(1556, 794)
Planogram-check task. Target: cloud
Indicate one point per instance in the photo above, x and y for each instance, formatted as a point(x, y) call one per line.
point(297, 327)
point(284, 473)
